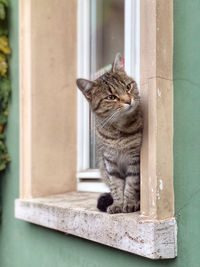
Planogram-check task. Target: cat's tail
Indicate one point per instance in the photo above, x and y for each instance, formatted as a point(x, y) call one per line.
point(104, 201)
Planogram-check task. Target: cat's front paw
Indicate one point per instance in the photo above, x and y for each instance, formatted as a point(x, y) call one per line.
point(131, 206)
point(115, 208)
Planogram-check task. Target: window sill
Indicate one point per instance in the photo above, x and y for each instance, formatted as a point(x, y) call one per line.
point(75, 213)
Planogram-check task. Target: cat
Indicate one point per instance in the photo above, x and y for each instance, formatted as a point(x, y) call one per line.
point(115, 101)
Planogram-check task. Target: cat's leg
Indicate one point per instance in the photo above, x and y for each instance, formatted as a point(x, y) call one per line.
point(116, 188)
point(116, 185)
point(132, 188)
point(131, 194)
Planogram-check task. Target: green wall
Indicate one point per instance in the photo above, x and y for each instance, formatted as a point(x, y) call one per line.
point(23, 244)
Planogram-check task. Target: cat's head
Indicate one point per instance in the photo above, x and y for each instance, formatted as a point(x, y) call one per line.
point(112, 94)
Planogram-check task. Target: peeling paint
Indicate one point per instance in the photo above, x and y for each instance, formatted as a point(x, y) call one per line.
point(159, 92)
point(158, 194)
point(161, 184)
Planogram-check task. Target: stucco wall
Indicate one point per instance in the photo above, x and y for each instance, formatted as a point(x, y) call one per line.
point(23, 244)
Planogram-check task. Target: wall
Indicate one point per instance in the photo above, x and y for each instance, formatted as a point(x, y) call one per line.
point(23, 244)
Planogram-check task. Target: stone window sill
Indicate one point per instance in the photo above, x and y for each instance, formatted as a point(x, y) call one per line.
point(76, 213)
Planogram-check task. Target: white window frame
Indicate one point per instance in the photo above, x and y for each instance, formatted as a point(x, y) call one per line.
point(90, 179)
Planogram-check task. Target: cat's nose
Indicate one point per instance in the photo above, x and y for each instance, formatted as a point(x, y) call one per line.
point(127, 100)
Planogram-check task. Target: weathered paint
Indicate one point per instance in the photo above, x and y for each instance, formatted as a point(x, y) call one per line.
point(159, 92)
point(23, 244)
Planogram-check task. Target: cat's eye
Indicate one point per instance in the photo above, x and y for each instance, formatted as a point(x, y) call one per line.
point(111, 97)
point(128, 87)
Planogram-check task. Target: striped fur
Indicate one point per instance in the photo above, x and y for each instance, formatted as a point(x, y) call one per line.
point(115, 101)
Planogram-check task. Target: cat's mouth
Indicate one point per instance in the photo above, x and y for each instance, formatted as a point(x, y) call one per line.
point(129, 107)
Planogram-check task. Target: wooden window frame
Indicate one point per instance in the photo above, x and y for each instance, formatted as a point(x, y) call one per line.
point(48, 127)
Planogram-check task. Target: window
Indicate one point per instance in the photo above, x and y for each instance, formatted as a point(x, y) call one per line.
point(48, 130)
point(104, 28)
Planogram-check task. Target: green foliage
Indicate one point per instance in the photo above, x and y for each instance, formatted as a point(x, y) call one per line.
point(4, 2)
point(3, 28)
point(3, 65)
point(4, 47)
point(2, 11)
point(5, 88)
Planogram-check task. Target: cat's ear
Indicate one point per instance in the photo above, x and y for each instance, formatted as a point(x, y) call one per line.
point(118, 64)
point(86, 87)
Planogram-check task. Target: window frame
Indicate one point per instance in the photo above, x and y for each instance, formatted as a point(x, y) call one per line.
point(44, 123)
point(93, 176)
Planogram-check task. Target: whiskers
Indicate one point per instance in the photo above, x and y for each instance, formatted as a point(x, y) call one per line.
point(109, 120)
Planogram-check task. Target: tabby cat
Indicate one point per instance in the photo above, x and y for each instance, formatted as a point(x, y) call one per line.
point(115, 101)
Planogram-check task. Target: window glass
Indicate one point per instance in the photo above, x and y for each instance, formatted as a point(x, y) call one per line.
point(106, 39)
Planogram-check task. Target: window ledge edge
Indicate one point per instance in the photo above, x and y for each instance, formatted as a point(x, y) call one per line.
point(75, 213)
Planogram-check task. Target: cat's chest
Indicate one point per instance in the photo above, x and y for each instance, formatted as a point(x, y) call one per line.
point(120, 157)
point(119, 161)
point(113, 140)
point(120, 145)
